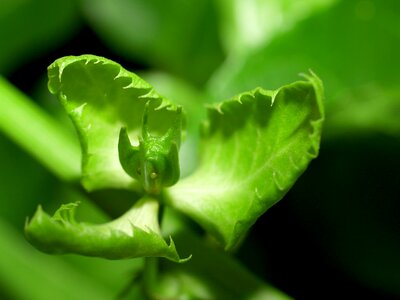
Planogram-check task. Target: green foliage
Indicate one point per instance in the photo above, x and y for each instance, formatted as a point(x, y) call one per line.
point(249, 153)
point(353, 46)
point(135, 234)
point(254, 147)
point(248, 25)
point(18, 264)
point(101, 97)
point(361, 89)
point(234, 184)
point(65, 277)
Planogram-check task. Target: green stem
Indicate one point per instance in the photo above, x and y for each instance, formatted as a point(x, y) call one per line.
point(38, 133)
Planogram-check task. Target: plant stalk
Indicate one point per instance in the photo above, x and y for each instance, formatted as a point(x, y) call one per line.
point(38, 133)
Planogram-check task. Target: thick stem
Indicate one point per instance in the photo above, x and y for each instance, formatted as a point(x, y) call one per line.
point(38, 133)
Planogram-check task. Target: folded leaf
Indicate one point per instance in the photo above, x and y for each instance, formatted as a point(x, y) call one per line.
point(101, 97)
point(254, 147)
point(155, 162)
point(134, 234)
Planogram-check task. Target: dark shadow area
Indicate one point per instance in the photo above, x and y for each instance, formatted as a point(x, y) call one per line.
point(335, 234)
point(84, 42)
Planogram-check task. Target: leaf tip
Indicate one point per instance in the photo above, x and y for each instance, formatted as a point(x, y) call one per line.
point(176, 257)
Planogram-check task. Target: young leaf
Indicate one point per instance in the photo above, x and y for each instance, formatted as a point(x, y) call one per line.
point(134, 234)
point(155, 162)
point(254, 147)
point(101, 97)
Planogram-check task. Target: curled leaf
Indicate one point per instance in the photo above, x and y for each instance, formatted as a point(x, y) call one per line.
point(134, 234)
point(254, 147)
point(101, 97)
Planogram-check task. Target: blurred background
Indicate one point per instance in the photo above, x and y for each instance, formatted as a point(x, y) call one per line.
point(337, 232)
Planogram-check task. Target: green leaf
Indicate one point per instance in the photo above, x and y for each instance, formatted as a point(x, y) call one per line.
point(254, 147)
point(364, 42)
point(355, 57)
point(247, 24)
point(134, 234)
point(101, 97)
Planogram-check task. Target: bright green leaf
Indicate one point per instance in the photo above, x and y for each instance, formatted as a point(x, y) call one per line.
point(134, 234)
point(254, 147)
point(101, 97)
